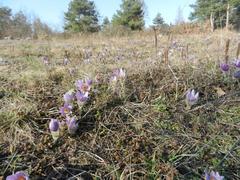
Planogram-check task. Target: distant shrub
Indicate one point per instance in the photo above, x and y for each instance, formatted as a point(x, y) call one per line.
point(116, 31)
point(188, 28)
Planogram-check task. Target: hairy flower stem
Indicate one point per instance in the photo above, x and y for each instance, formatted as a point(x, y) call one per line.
point(55, 135)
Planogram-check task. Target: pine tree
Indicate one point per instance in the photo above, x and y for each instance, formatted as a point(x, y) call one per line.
point(106, 22)
point(40, 29)
point(158, 20)
point(131, 14)
point(21, 25)
point(204, 9)
point(82, 16)
point(5, 20)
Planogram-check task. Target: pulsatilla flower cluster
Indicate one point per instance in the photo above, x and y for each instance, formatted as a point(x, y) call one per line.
point(236, 74)
point(78, 97)
point(81, 97)
point(69, 97)
point(72, 124)
point(213, 176)
point(236, 64)
point(18, 176)
point(118, 74)
point(65, 109)
point(83, 89)
point(191, 97)
point(45, 60)
point(84, 86)
point(117, 81)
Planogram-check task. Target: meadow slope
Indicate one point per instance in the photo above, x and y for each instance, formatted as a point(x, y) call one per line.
point(141, 128)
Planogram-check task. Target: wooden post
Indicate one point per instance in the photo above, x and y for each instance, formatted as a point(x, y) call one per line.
point(182, 53)
point(226, 51)
point(227, 20)
point(238, 51)
point(170, 37)
point(166, 56)
point(155, 40)
point(212, 22)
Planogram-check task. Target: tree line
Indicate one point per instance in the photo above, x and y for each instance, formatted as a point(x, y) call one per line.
point(19, 25)
point(83, 16)
point(221, 13)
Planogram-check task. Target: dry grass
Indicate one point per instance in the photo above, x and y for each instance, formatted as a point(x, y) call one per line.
point(145, 134)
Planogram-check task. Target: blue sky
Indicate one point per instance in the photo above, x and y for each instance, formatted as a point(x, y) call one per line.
point(52, 11)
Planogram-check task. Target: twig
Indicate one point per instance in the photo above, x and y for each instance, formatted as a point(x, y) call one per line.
point(14, 155)
point(96, 157)
point(176, 80)
point(229, 152)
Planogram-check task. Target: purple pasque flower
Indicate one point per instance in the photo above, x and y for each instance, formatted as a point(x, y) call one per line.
point(119, 73)
point(45, 60)
point(71, 71)
point(20, 175)
point(65, 61)
point(84, 86)
point(236, 75)
point(65, 109)
point(54, 125)
point(213, 176)
point(192, 97)
point(72, 125)
point(237, 63)
point(97, 78)
point(122, 73)
point(68, 97)
point(113, 78)
point(82, 97)
point(89, 81)
point(224, 67)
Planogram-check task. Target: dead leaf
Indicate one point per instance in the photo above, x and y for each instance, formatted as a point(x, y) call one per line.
point(220, 92)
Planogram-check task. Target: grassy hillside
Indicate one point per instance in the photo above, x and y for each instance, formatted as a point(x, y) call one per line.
point(138, 128)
